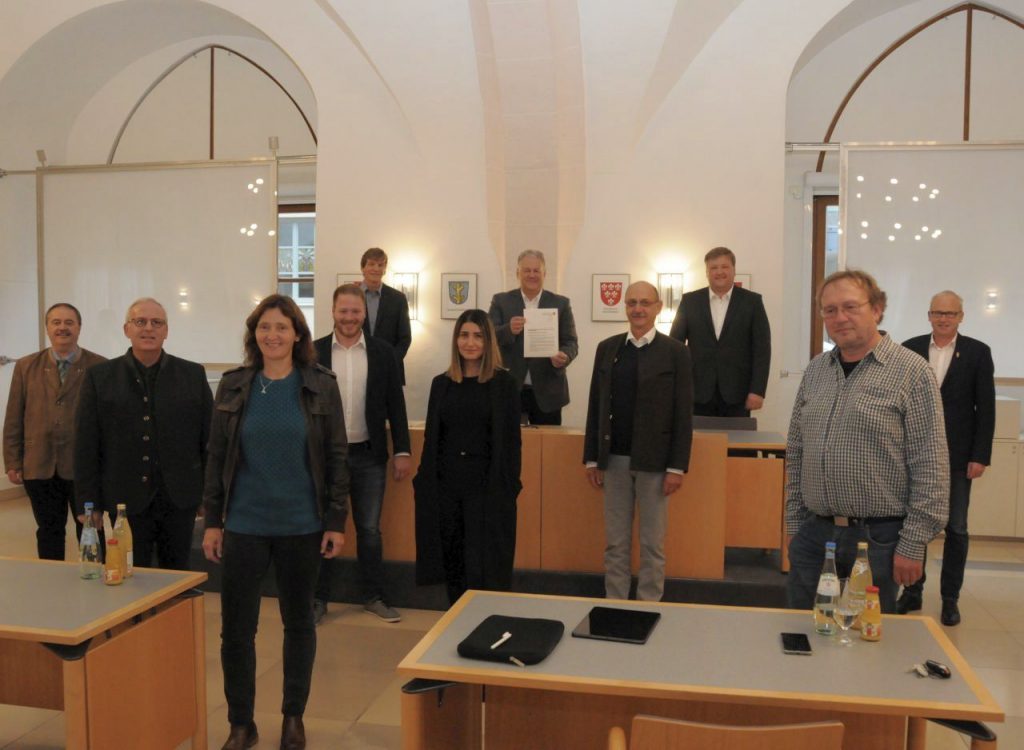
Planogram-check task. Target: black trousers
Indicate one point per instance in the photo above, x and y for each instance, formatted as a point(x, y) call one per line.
point(717, 407)
point(296, 563)
point(165, 529)
point(954, 549)
point(462, 488)
point(531, 413)
point(51, 500)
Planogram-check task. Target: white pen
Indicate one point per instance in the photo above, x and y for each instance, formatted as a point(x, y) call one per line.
point(501, 640)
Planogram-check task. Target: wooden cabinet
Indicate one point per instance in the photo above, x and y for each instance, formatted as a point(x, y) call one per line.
point(994, 496)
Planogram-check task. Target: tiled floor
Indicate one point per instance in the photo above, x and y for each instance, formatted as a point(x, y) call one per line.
point(354, 703)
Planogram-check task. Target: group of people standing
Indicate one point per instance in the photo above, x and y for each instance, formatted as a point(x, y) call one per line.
point(301, 428)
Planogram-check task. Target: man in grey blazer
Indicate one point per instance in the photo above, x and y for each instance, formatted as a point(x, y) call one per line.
point(544, 388)
point(725, 327)
point(637, 444)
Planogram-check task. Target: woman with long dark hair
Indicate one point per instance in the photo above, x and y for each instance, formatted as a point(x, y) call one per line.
point(276, 491)
point(468, 478)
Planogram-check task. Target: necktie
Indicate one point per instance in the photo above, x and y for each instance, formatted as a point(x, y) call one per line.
point(62, 369)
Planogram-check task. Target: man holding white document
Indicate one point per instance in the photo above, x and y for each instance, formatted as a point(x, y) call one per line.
point(537, 336)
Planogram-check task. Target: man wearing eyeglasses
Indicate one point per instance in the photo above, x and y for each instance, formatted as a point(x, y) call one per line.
point(866, 457)
point(142, 427)
point(638, 439)
point(965, 372)
point(39, 427)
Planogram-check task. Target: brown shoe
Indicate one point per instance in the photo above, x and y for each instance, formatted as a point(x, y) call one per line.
point(242, 736)
point(293, 734)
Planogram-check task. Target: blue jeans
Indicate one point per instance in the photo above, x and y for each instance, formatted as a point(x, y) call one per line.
point(807, 556)
point(367, 479)
point(954, 550)
point(246, 559)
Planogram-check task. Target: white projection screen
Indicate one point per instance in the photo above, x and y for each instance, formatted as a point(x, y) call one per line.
point(198, 238)
point(922, 219)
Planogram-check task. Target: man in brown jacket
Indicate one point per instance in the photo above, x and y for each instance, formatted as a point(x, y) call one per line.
point(39, 429)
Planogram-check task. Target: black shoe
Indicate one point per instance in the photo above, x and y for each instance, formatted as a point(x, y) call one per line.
point(319, 610)
point(293, 733)
point(242, 736)
point(909, 601)
point(950, 613)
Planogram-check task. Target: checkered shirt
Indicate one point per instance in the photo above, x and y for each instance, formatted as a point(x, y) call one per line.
point(870, 445)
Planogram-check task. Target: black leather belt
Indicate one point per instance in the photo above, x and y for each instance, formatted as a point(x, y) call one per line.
point(860, 521)
point(363, 446)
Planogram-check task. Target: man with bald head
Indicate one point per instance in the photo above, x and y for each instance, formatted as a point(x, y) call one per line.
point(637, 444)
point(964, 370)
point(39, 427)
point(142, 428)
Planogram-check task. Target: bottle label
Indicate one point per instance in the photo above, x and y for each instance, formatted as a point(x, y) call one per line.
point(828, 587)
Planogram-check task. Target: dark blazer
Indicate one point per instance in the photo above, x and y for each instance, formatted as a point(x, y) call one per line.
point(968, 400)
point(663, 421)
point(328, 447)
point(735, 364)
point(113, 434)
point(384, 397)
point(392, 323)
point(550, 387)
point(39, 427)
point(496, 531)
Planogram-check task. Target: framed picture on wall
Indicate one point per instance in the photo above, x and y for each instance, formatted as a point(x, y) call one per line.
point(608, 295)
point(349, 278)
point(458, 293)
point(743, 280)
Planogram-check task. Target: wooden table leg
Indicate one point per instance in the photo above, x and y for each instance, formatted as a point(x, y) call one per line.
point(76, 708)
point(199, 739)
point(916, 733)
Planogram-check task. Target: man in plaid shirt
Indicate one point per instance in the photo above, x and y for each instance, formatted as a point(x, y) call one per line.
point(866, 458)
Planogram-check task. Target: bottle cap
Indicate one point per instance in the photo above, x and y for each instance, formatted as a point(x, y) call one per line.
point(121, 506)
point(830, 546)
point(88, 507)
point(872, 589)
point(859, 544)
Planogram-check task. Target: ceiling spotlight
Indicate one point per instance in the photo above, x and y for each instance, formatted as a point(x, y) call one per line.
point(271, 233)
point(860, 178)
point(259, 180)
point(935, 190)
point(864, 235)
point(893, 181)
point(252, 226)
point(888, 199)
point(915, 199)
point(924, 229)
point(931, 195)
point(249, 233)
point(864, 224)
point(922, 186)
point(897, 225)
point(249, 186)
point(892, 238)
point(917, 237)
point(858, 195)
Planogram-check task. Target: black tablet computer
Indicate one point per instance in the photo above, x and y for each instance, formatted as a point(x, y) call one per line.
point(612, 624)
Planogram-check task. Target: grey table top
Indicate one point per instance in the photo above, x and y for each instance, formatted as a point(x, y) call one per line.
point(728, 652)
point(48, 601)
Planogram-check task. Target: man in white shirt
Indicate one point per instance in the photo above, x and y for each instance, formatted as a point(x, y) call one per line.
point(726, 329)
point(371, 392)
point(965, 372)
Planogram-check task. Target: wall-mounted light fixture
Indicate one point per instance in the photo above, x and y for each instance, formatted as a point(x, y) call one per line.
point(670, 287)
point(992, 300)
point(408, 284)
point(183, 298)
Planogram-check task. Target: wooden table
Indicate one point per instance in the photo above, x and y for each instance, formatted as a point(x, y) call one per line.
point(702, 663)
point(126, 664)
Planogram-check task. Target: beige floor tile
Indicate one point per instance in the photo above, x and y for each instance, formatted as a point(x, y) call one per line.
point(363, 649)
point(335, 694)
point(17, 721)
point(320, 733)
point(371, 737)
point(48, 735)
point(353, 614)
point(386, 708)
point(1006, 686)
point(941, 738)
point(988, 648)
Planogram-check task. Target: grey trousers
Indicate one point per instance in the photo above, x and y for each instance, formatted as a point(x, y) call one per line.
point(625, 490)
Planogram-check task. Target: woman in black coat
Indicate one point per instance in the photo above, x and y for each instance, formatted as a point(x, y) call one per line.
point(468, 478)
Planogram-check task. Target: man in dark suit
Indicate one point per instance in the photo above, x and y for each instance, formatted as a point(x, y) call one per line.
point(544, 389)
point(387, 309)
point(965, 373)
point(371, 392)
point(140, 439)
point(39, 427)
point(637, 444)
point(726, 330)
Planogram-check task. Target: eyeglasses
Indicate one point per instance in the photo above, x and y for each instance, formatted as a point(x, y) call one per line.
point(644, 303)
point(143, 322)
point(948, 314)
point(847, 308)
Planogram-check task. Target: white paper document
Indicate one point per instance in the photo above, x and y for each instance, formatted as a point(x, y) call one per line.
point(540, 334)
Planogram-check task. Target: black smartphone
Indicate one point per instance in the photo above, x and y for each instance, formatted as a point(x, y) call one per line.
point(796, 643)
